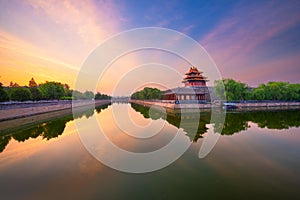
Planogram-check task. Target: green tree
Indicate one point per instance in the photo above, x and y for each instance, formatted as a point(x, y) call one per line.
point(276, 90)
point(100, 96)
point(35, 93)
point(88, 95)
point(220, 89)
point(293, 92)
point(79, 95)
point(52, 90)
point(20, 94)
point(258, 94)
point(233, 90)
point(68, 91)
point(3, 94)
point(147, 93)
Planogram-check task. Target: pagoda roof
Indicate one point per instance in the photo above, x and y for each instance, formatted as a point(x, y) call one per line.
point(195, 79)
point(194, 75)
point(193, 70)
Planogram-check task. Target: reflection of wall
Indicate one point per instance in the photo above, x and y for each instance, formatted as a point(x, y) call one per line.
point(234, 122)
point(186, 121)
point(48, 130)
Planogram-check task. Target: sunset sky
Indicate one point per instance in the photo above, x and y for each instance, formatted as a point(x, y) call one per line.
point(251, 41)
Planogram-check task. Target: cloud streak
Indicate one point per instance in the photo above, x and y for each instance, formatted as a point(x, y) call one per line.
point(56, 36)
point(235, 42)
point(19, 58)
point(91, 22)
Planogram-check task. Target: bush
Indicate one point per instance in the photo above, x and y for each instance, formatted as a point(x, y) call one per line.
point(79, 95)
point(100, 96)
point(147, 93)
point(20, 94)
point(35, 93)
point(3, 94)
point(52, 90)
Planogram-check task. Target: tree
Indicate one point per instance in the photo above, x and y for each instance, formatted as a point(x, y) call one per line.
point(52, 90)
point(32, 83)
point(276, 90)
point(79, 95)
point(3, 94)
point(156, 94)
point(35, 93)
point(100, 96)
point(20, 94)
point(76, 94)
point(147, 93)
point(11, 84)
point(233, 90)
point(88, 95)
point(258, 94)
point(293, 92)
point(220, 89)
point(68, 91)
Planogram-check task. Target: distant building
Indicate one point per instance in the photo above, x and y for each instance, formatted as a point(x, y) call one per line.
point(194, 88)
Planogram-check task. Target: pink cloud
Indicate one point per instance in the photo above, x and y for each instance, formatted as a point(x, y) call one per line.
point(280, 69)
point(234, 43)
point(92, 21)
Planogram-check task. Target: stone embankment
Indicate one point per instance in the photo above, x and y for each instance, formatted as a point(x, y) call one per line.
point(241, 106)
point(10, 111)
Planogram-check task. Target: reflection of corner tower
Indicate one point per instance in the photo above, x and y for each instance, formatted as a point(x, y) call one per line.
point(194, 88)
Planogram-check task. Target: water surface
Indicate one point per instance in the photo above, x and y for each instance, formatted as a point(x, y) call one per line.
point(257, 156)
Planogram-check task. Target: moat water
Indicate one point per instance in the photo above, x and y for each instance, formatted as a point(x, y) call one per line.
point(257, 156)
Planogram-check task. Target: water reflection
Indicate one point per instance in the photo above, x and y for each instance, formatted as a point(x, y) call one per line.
point(239, 121)
point(175, 119)
point(47, 130)
point(234, 122)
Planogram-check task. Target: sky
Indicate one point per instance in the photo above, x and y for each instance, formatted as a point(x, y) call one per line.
point(250, 41)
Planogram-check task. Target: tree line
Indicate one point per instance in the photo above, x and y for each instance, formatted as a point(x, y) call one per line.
point(147, 93)
point(45, 91)
point(235, 90)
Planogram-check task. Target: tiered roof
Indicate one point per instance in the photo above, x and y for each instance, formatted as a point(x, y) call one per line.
point(194, 75)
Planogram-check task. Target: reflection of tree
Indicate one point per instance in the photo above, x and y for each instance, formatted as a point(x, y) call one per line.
point(47, 130)
point(144, 110)
point(89, 113)
point(276, 119)
point(283, 119)
point(54, 128)
point(103, 107)
point(80, 112)
point(25, 134)
point(186, 121)
point(4, 140)
point(234, 123)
